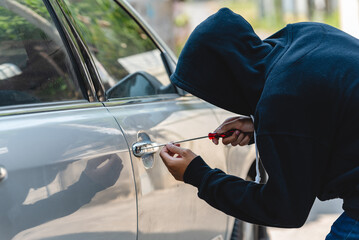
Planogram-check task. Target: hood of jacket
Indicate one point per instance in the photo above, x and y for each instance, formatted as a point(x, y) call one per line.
point(224, 63)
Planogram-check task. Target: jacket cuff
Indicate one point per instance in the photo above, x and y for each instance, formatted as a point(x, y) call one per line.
point(195, 172)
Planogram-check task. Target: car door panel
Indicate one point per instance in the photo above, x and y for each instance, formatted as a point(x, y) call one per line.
point(148, 109)
point(69, 176)
point(167, 208)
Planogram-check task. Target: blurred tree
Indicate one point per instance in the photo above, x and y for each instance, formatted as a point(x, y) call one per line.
point(311, 8)
point(261, 9)
point(278, 6)
point(28, 15)
point(329, 8)
point(295, 9)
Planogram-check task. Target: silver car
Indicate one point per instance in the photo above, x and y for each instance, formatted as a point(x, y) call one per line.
point(83, 84)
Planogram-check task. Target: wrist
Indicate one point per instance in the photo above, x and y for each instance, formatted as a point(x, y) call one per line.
point(195, 171)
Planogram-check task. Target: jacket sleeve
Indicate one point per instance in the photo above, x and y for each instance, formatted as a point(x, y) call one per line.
point(294, 166)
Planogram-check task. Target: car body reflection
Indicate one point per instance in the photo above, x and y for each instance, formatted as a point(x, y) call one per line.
point(99, 174)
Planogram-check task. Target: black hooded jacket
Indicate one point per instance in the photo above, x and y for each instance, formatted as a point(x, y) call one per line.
point(302, 86)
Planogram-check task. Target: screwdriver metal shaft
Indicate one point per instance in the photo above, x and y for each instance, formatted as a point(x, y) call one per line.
point(186, 140)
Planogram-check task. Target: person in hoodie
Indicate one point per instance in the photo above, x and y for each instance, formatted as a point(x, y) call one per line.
point(301, 86)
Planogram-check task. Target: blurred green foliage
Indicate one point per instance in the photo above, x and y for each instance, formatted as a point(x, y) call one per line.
point(13, 27)
point(181, 20)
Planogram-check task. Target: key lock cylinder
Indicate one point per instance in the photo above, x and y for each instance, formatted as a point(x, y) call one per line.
point(3, 173)
point(144, 148)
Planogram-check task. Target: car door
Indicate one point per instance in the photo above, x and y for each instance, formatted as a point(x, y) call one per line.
point(65, 169)
point(149, 110)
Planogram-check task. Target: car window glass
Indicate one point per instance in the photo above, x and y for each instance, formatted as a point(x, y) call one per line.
point(34, 66)
point(127, 60)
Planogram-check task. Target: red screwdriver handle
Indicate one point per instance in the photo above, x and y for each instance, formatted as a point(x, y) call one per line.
point(222, 135)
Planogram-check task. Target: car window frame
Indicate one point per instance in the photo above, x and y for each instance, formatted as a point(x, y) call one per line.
point(73, 48)
point(168, 59)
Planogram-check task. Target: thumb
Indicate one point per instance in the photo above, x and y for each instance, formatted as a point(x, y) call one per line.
point(175, 149)
point(225, 127)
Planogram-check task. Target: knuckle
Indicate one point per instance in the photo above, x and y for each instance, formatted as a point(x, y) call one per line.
point(239, 124)
point(231, 139)
point(186, 152)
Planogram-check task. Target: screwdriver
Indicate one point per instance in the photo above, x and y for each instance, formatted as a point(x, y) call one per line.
point(210, 136)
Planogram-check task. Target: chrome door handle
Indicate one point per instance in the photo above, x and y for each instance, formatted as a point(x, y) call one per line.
point(140, 149)
point(3, 173)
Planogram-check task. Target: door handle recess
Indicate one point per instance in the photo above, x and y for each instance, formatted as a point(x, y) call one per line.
point(140, 149)
point(3, 173)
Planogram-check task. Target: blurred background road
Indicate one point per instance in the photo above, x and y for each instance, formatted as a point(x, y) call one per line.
point(318, 224)
point(174, 20)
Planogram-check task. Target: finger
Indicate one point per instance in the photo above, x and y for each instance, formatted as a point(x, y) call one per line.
point(224, 123)
point(178, 145)
point(165, 149)
point(245, 140)
point(175, 149)
point(235, 124)
point(166, 155)
point(244, 124)
point(231, 119)
point(239, 139)
point(231, 138)
point(215, 141)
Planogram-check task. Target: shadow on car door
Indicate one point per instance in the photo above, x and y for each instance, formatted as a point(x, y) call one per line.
point(69, 176)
